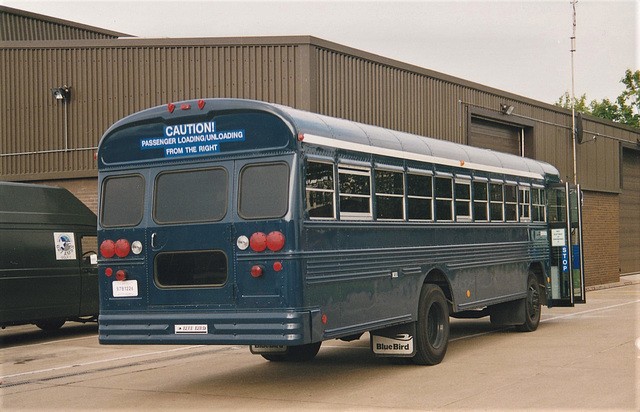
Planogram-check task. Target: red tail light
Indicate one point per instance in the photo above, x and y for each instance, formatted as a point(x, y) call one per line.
point(258, 242)
point(121, 275)
point(108, 248)
point(256, 271)
point(122, 248)
point(275, 241)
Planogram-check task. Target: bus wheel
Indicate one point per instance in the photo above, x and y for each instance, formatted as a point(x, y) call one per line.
point(50, 325)
point(299, 353)
point(432, 329)
point(532, 307)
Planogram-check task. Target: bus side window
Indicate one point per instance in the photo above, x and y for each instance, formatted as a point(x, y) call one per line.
point(537, 204)
point(389, 195)
point(496, 202)
point(463, 199)
point(355, 193)
point(419, 196)
point(511, 203)
point(444, 198)
point(524, 201)
point(480, 201)
point(320, 190)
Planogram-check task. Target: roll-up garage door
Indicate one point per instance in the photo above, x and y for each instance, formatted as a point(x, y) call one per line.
point(630, 212)
point(495, 136)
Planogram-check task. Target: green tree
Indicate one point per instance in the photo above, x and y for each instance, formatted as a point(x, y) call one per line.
point(625, 109)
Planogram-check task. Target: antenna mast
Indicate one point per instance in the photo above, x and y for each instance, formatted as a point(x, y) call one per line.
point(573, 93)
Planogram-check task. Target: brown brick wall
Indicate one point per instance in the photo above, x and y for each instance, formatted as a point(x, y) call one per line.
point(600, 214)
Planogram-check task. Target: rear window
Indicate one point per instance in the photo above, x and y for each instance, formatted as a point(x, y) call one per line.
point(191, 196)
point(198, 268)
point(122, 201)
point(264, 191)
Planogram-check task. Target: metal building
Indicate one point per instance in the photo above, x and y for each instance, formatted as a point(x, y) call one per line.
point(50, 136)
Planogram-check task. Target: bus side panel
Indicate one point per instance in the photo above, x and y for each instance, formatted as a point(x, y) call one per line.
point(366, 288)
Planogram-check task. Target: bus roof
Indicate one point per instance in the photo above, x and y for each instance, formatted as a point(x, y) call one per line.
point(29, 204)
point(348, 135)
point(340, 133)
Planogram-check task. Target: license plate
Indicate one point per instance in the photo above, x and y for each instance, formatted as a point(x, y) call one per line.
point(125, 288)
point(189, 329)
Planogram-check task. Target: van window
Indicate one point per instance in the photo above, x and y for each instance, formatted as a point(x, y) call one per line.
point(122, 201)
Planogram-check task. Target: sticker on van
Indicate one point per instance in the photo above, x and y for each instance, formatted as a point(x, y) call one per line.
point(65, 244)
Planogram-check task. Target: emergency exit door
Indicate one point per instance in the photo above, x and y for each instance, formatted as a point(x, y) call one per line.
point(566, 277)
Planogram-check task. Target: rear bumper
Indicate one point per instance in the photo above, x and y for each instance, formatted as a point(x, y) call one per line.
point(228, 328)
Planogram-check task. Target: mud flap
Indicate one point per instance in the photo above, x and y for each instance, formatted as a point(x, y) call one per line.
point(508, 313)
point(395, 341)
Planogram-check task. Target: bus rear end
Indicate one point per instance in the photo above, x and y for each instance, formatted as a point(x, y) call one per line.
point(196, 228)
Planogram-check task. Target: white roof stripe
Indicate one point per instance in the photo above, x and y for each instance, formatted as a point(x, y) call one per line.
point(358, 147)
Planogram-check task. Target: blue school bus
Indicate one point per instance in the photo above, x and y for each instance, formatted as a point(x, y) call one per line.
point(226, 221)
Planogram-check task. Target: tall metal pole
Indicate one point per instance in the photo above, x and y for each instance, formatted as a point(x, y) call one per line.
point(573, 94)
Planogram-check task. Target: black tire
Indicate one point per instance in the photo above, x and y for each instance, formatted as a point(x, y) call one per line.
point(299, 353)
point(432, 329)
point(50, 325)
point(532, 306)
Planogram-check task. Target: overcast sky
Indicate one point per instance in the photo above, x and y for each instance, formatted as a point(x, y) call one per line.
point(518, 46)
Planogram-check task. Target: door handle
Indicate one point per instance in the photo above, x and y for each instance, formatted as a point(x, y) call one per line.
point(153, 240)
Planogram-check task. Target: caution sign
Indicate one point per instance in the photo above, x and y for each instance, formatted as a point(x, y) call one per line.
point(191, 139)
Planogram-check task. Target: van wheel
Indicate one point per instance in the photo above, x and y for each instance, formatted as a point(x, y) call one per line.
point(298, 353)
point(532, 307)
point(50, 325)
point(432, 329)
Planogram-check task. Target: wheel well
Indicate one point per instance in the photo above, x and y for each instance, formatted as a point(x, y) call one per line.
point(437, 277)
point(537, 270)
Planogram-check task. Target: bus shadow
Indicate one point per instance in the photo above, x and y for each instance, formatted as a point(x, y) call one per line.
point(30, 334)
point(336, 363)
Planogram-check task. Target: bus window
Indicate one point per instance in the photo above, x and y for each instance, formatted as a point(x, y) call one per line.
point(524, 201)
point(191, 196)
point(122, 201)
point(496, 202)
point(419, 196)
point(264, 191)
point(444, 198)
point(199, 268)
point(557, 206)
point(389, 195)
point(480, 201)
point(537, 204)
point(320, 190)
point(510, 203)
point(355, 193)
point(463, 199)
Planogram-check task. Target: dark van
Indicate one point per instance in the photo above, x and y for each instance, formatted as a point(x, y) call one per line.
point(48, 260)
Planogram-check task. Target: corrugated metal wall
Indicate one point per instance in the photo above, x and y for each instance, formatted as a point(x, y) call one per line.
point(113, 78)
point(375, 90)
point(17, 25)
point(111, 82)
